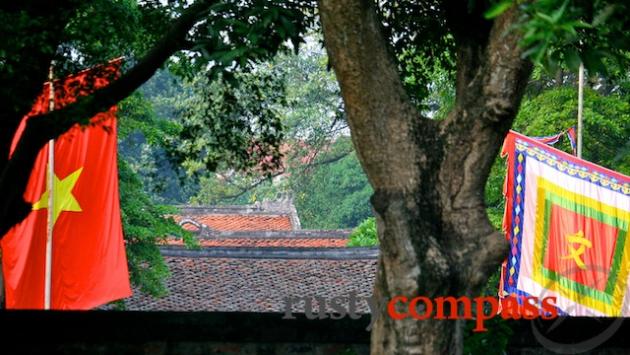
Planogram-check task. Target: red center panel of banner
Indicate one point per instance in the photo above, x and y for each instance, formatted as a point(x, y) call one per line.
point(576, 260)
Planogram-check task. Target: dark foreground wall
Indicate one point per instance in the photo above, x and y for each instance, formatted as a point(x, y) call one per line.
point(577, 335)
point(178, 333)
point(29, 332)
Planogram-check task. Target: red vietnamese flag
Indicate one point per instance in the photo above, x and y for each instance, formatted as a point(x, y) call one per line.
point(89, 265)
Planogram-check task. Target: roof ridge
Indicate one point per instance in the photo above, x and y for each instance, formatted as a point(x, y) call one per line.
point(278, 234)
point(265, 208)
point(335, 253)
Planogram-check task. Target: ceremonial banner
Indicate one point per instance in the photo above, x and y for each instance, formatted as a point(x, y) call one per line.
point(571, 135)
point(553, 139)
point(89, 266)
point(550, 140)
point(567, 223)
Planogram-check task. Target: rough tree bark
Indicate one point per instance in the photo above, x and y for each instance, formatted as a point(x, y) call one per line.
point(428, 176)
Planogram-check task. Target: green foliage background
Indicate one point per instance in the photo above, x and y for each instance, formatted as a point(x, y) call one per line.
point(145, 224)
point(333, 195)
point(365, 234)
point(320, 168)
point(606, 132)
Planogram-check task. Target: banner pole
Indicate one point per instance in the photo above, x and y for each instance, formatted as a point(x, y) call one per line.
point(580, 109)
point(51, 205)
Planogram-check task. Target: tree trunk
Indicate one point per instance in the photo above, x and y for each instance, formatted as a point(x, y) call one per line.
point(428, 176)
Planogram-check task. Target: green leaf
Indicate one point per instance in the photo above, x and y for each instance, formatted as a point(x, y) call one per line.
point(533, 51)
point(497, 9)
point(365, 234)
point(558, 13)
point(545, 17)
point(551, 65)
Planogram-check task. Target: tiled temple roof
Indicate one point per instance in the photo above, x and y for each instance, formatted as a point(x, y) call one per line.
point(269, 239)
point(266, 216)
point(253, 257)
point(203, 280)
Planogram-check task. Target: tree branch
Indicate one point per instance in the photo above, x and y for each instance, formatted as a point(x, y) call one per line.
point(492, 76)
point(40, 129)
point(326, 161)
point(383, 120)
point(25, 68)
point(245, 189)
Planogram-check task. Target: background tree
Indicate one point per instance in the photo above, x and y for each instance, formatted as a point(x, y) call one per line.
point(319, 166)
point(606, 132)
point(145, 223)
point(209, 37)
point(215, 36)
point(149, 122)
point(429, 176)
point(332, 192)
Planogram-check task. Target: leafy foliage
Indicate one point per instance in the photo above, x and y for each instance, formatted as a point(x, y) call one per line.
point(319, 167)
point(178, 132)
point(101, 30)
point(333, 195)
point(365, 234)
point(231, 121)
point(556, 34)
point(145, 130)
point(236, 189)
point(606, 123)
point(421, 42)
point(144, 225)
point(233, 35)
point(329, 193)
point(606, 132)
point(314, 113)
point(241, 33)
point(563, 32)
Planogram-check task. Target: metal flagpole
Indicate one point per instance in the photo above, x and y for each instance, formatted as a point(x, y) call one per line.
point(51, 204)
point(580, 109)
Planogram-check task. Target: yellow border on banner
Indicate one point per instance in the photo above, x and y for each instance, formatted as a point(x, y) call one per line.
point(613, 309)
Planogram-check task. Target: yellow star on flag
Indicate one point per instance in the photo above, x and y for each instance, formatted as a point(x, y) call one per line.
point(63, 200)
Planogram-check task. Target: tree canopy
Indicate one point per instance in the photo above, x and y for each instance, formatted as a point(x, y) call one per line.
point(205, 36)
point(429, 90)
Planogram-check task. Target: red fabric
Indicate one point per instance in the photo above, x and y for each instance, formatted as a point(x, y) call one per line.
point(512, 135)
point(89, 265)
point(598, 259)
point(507, 152)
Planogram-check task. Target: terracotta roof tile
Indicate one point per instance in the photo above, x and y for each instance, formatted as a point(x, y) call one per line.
point(269, 243)
point(256, 285)
point(239, 222)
